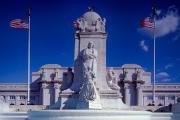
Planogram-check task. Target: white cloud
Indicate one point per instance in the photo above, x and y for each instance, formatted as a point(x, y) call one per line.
point(163, 77)
point(165, 25)
point(177, 37)
point(144, 46)
point(166, 80)
point(162, 74)
point(168, 66)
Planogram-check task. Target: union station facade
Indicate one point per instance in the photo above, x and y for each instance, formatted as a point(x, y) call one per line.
point(50, 79)
point(131, 81)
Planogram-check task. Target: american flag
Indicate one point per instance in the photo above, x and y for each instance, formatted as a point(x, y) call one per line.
point(19, 24)
point(148, 22)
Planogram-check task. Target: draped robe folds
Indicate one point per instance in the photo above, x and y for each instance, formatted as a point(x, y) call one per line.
point(89, 67)
point(89, 57)
point(88, 91)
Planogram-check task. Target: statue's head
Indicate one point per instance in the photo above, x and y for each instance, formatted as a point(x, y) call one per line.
point(90, 45)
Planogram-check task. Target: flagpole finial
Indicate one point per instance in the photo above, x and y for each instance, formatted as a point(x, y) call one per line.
point(29, 11)
point(154, 11)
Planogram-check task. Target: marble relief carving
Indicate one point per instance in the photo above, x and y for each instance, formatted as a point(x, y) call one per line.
point(112, 80)
point(89, 70)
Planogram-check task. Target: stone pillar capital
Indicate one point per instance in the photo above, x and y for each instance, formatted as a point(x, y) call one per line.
point(44, 85)
point(57, 85)
point(138, 86)
point(126, 86)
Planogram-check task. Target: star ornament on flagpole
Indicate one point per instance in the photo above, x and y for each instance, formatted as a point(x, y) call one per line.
point(154, 11)
point(29, 11)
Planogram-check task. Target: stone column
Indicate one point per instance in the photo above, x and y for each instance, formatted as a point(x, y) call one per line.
point(44, 94)
point(56, 92)
point(176, 100)
point(17, 100)
point(6, 98)
point(56, 74)
point(127, 96)
point(43, 74)
point(139, 94)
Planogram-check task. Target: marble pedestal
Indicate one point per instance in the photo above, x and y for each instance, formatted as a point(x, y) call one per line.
point(68, 100)
point(108, 100)
point(91, 105)
point(112, 100)
point(71, 101)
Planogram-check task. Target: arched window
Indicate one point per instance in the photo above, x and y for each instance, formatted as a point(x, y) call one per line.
point(149, 104)
point(12, 104)
point(171, 97)
point(160, 97)
point(12, 97)
point(32, 103)
point(52, 76)
point(160, 104)
point(22, 97)
point(22, 104)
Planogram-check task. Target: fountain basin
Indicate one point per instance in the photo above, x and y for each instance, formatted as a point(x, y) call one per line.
point(13, 116)
point(88, 115)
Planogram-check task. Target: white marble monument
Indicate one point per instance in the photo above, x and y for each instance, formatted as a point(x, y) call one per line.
point(90, 86)
point(88, 96)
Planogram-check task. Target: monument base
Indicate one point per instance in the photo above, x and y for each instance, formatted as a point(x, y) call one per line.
point(68, 100)
point(92, 105)
point(108, 100)
point(112, 100)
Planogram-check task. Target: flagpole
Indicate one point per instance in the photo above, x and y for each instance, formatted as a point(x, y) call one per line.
point(29, 57)
point(154, 59)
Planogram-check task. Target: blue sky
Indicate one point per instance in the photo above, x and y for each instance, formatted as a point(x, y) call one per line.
point(52, 35)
